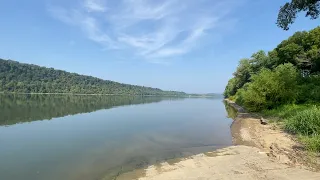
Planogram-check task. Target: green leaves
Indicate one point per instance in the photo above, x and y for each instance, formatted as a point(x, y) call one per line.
point(288, 53)
point(287, 74)
point(270, 88)
point(289, 11)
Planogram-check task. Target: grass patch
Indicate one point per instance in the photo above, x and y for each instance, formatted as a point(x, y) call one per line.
point(312, 143)
point(306, 122)
point(286, 111)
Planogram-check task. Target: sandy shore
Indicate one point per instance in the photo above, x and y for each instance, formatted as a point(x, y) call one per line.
point(260, 152)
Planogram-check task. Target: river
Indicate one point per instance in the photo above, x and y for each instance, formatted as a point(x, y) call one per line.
point(96, 137)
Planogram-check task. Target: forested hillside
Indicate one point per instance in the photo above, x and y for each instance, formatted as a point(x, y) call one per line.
point(26, 78)
point(284, 82)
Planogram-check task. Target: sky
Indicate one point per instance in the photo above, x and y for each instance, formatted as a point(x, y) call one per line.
point(184, 45)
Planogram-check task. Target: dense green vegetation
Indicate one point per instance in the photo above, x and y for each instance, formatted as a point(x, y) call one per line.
point(26, 78)
point(18, 108)
point(289, 11)
point(284, 82)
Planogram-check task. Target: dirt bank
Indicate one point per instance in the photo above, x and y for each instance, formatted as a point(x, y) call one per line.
point(261, 152)
point(278, 145)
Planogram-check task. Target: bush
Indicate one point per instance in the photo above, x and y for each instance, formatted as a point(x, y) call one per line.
point(306, 122)
point(269, 89)
point(252, 100)
point(309, 89)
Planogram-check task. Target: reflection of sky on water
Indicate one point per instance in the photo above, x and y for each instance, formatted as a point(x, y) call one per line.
point(86, 146)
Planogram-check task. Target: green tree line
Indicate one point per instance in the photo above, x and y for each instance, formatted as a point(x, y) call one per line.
point(26, 78)
point(287, 74)
point(284, 83)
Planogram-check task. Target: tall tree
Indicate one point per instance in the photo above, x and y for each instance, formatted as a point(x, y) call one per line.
point(289, 11)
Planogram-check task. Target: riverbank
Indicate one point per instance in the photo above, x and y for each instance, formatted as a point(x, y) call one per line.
point(260, 152)
point(279, 146)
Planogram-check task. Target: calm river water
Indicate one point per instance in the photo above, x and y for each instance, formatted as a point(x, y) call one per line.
point(62, 137)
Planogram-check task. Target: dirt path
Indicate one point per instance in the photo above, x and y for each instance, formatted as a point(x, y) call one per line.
point(263, 152)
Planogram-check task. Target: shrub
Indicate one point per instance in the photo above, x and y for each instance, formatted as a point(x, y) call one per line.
point(269, 89)
point(252, 100)
point(306, 122)
point(309, 89)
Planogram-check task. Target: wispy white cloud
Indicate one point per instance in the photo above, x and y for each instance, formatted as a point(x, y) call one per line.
point(95, 5)
point(152, 30)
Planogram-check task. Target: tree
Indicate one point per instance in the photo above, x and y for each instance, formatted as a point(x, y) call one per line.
point(241, 77)
point(289, 11)
point(260, 60)
point(231, 88)
point(242, 73)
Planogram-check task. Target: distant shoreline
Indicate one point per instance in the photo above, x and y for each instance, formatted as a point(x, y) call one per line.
point(80, 94)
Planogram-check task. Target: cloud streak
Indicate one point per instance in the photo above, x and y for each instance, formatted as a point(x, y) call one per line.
point(148, 29)
point(94, 5)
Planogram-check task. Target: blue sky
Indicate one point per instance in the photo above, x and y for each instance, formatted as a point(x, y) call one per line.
point(191, 46)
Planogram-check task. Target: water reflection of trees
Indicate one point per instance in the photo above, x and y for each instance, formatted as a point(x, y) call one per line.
point(232, 112)
point(26, 108)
